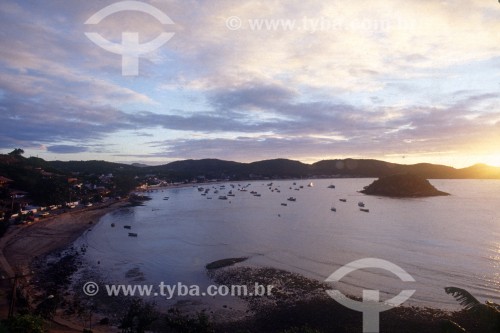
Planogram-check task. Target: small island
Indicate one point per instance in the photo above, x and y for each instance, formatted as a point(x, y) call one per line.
point(402, 186)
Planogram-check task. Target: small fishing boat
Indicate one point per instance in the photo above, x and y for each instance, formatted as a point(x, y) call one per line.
point(343, 200)
point(361, 204)
point(112, 225)
point(127, 227)
point(284, 204)
point(333, 209)
point(364, 210)
point(132, 234)
point(310, 184)
point(331, 186)
point(292, 199)
point(222, 197)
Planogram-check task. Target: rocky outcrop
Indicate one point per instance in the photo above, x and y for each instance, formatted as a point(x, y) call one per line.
point(402, 186)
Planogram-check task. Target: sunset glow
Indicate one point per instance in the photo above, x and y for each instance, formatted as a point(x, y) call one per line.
point(254, 80)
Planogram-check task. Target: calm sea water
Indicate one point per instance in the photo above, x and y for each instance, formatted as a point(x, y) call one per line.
point(440, 241)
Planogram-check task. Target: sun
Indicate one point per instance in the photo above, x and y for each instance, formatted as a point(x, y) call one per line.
point(493, 160)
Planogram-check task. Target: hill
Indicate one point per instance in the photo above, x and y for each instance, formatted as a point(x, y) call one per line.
point(275, 168)
point(402, 186)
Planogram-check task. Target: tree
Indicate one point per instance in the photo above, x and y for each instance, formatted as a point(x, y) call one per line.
point(139, 317)
point(27, 324)
point(16, 152)
point(488, 313)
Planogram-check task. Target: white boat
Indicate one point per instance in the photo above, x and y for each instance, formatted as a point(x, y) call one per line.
point(310, 184)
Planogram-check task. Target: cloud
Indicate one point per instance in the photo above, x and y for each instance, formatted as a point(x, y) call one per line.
point(66, 149)
point(304, 79)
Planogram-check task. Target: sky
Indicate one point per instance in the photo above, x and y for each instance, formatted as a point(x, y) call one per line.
point(405, 82)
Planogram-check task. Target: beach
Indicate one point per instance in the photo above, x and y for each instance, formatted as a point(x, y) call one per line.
point(24, 243)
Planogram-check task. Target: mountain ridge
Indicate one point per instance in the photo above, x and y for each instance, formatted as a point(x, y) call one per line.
point(211, 168)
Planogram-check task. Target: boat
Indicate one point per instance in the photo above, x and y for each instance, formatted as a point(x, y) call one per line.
point(284, 204)
point(166, 198)
point(331, 186)
point(112, 225)
point(333, 209)
point(132, 234)
point(366, 210)
point(127, 227)
point(292, 199)
point(343, 200)
point(222, 197)
point(256, 195)
point(361, 204)
point(310, 184)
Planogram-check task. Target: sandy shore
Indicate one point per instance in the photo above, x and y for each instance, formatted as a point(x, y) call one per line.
point(22, 244)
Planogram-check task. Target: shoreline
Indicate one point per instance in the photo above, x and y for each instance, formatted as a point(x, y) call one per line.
point(22, 244)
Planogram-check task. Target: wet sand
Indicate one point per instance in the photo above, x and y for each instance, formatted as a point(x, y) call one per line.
point(24, 243)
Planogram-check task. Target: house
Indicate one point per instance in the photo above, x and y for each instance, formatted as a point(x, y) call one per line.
point(4, 181)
